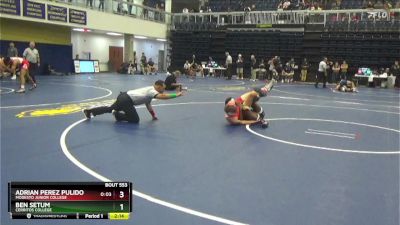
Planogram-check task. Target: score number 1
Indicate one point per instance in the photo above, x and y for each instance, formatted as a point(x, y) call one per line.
point(121, 195)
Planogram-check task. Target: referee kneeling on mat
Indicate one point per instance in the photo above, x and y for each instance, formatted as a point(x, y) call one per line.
point(124, 106)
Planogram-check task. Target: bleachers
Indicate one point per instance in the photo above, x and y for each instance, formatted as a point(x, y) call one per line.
point(238, 5)
point(373, 49)
point(264, 44)
point(358, 26)
point(261, 5)
point(360, 38)
point(352, 4)
point(376, 49)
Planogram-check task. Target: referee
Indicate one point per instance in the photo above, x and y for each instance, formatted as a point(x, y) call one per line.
point(321, 74)
point(32, 55)
point(124, 106)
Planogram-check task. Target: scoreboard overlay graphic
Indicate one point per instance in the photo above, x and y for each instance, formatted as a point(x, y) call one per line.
point(70, 200)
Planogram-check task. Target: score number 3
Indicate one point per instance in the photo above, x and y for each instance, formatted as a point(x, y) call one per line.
point(121, 195)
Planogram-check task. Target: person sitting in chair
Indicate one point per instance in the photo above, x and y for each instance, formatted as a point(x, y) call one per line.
point(152, 68)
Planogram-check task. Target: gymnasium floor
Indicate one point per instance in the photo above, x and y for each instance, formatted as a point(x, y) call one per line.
point(326, 158)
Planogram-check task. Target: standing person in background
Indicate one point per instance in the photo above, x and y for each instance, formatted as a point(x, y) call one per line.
point(143, 64)
point(12, 51)
point(304, 69)
point(395, 70)
point(32, 55)
point(262, 70)
point(228, 65)
point(321, 74)
point(135, 62)
point(253, 68)
point(186, 68)
point(239, 66)
point(343, 69)
point(292, 64)
point(130, 6)
point(193, 60)
point(335, 72)
point(101, 5)
point(145, 11)
point(89, 2)
point(329, 70)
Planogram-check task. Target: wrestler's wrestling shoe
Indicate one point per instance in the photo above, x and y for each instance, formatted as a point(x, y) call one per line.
point(21, 90)
point(87, 113)
point(264, 124)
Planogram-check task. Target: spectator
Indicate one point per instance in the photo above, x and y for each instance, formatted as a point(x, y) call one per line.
point(89, 2)
point(228, 65)
point(286, 5)
point(280, 6)
point(271, 68)
point(304, 69)
point(12, 51)
point(274, 67)
point(185, 10)
point(239, 65)
point(387, 5)
point(378, 5)
point(199, 70)
point(130, 67)
point(135, 62)
point(152, 68)
point(302, 6)
point(335, 6)
point(343, 70)
point(287, 73)
point(253, 68)
point(145, 11)
point(210, 62)
point(395, 70)
point(32, 55)
point(120, 7)
point(321, 74)
point(262, 71)
point(335, 72)
point(329, 66)
point(192, 70)
point(292, 63)
point(130, 6)
point(101, 5)
point(193, 59)
point(143, 64)
point(186, 68)
point(370, 5)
